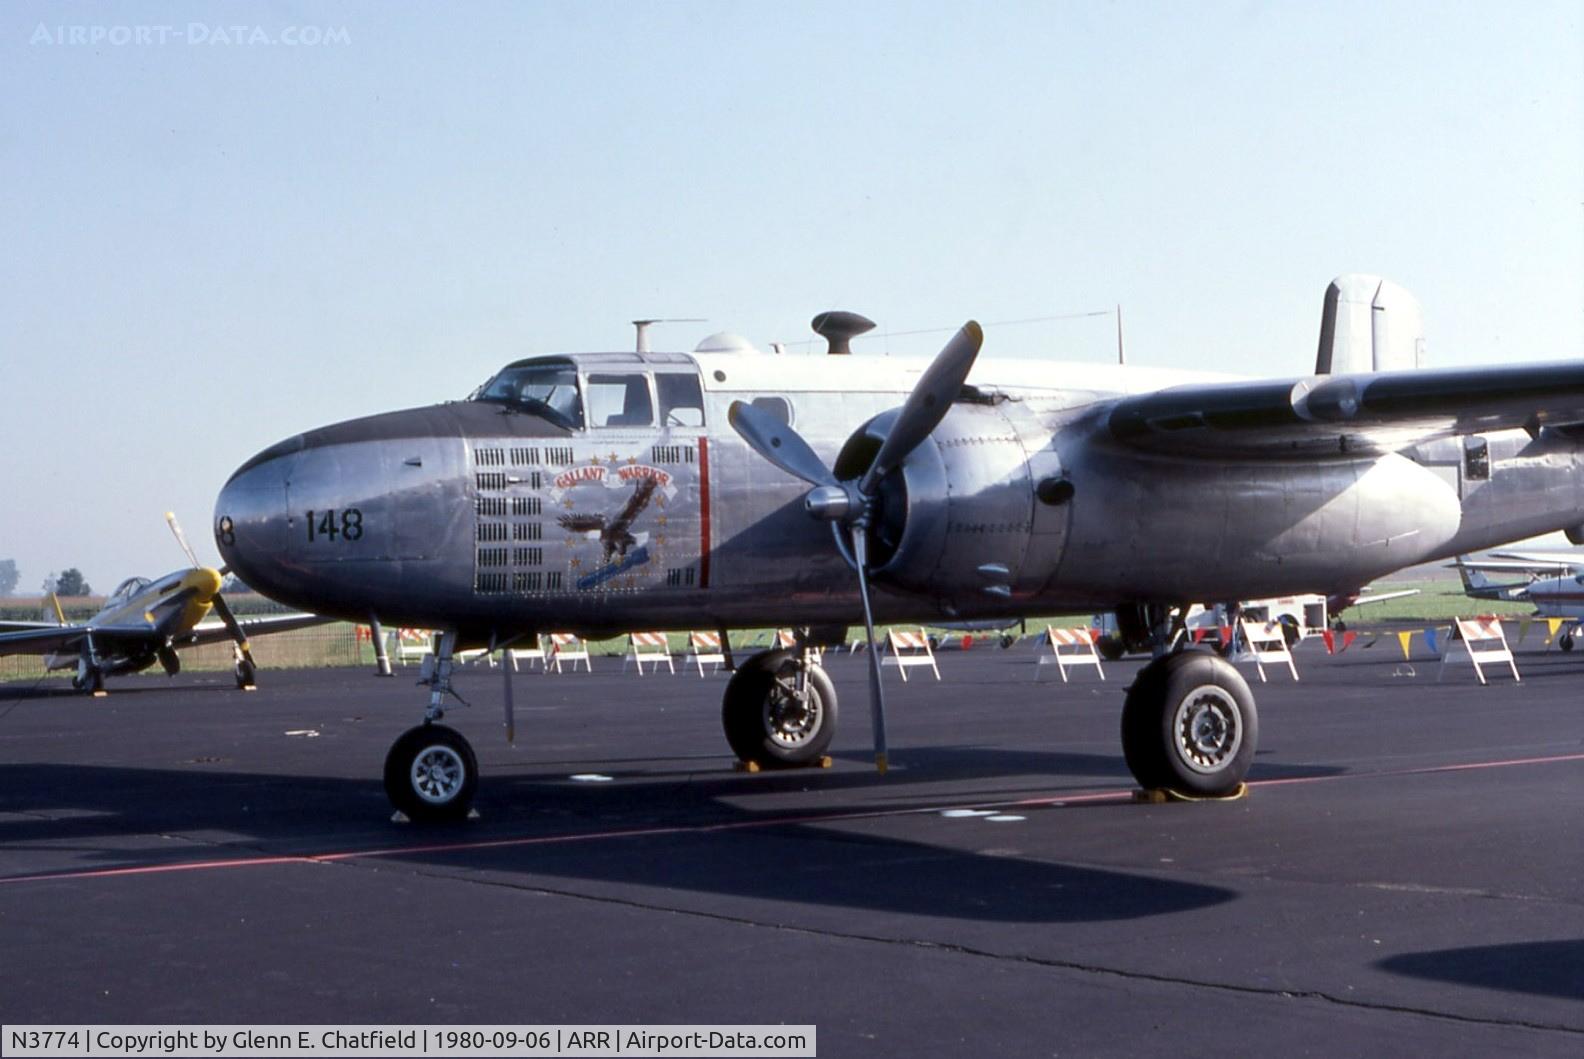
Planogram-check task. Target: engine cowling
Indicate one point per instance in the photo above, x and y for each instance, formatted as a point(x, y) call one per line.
point(972, 483)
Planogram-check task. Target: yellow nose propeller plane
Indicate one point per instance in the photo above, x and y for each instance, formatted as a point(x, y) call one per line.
point(144, 622)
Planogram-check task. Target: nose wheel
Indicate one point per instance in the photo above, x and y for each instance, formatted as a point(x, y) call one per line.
point(431, 774)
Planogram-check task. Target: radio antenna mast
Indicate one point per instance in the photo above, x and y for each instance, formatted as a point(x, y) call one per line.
point(643, 327)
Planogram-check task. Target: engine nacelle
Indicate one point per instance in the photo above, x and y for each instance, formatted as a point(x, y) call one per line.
point(973, 484)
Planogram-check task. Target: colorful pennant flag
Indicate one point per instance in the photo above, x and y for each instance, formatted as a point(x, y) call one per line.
point(1405, 638)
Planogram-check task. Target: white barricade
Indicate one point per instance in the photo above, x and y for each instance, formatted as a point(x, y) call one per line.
point(565, 647)
point(909, 648)
point(705, 647)
point(535, 653)
point(1482, 642)
point(1081, 644)
point(1264, 642)
point(651, 647)
point(411, 644)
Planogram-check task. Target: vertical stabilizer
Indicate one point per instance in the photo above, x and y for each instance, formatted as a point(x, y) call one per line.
point(1369, 324)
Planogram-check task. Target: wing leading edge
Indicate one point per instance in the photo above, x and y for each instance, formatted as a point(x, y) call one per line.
point(1349, 414)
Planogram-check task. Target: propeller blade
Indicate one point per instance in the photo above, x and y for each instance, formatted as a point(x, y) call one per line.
point(181, 538)
point(927, 405)
point(876, 691)
point(511, 706)
point(779, 444)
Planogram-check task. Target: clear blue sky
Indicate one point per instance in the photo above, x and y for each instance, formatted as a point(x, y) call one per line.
point(211, 246)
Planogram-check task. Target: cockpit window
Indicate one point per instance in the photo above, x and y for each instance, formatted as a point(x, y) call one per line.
point(549, 391)
point(620, 400)
point(681, 400)
point(128, 588)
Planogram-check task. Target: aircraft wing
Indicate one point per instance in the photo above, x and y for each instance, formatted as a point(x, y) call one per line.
point(1347, 414)
point(42, 640)
point(1381, 597)
point(1549, 562)
point(24, 626)
point(215, 631)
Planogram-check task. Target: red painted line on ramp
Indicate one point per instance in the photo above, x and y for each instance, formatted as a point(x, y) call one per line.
point(1052, 801)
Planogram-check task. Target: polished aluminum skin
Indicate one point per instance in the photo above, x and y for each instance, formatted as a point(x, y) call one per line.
point(1045, 488)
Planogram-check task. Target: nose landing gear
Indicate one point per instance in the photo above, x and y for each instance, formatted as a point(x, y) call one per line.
point(431, 772)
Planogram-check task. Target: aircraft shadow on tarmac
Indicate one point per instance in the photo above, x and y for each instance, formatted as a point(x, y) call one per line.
point(1541, 968)
point(619, 842)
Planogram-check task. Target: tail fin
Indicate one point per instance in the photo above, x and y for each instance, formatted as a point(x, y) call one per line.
point(1369, 324)
point(1473, 580)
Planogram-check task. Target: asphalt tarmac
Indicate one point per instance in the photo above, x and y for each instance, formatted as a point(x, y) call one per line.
point(1404, 876)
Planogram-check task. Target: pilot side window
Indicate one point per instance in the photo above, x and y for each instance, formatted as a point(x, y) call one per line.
point(776, 406)
point(619, 400)
point(681, 400)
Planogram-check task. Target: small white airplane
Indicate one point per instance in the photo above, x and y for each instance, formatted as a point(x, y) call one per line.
point(1552, 581)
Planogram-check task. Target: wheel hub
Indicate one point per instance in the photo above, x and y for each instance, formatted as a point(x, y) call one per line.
point(437, 774)
point(791, 719)
point(1207, 729)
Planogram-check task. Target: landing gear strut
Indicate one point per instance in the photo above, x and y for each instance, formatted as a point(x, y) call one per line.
point(779, 710)
point(431, 772)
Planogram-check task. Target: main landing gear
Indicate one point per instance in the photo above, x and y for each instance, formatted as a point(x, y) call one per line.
point(779, 710)
point(1189, 723)
point(431, 773)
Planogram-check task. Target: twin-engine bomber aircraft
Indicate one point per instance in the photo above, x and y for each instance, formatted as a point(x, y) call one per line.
point(725, 488)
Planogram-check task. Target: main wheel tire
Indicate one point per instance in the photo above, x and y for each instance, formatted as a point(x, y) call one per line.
point(431, 774)
point(1566, 642)
point(1189, 724)
point(765, 724)
point(246, 674)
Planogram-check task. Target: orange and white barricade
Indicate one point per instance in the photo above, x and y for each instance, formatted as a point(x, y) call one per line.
point(1264, 643)
point(411, 644)
point(909, 647)
point(530, 654)
point(705, 648)
point(1080, 645)
point(1482, 642)
point(651, 647)
point(786, 640)
point(566, 647)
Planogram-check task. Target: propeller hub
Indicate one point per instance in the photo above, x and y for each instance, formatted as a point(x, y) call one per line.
point(831, 503)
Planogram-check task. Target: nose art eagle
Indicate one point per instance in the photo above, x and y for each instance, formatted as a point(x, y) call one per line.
point(614, 534)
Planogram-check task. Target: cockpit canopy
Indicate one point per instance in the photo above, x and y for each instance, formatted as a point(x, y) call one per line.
point(603, 395)
point(129, 588)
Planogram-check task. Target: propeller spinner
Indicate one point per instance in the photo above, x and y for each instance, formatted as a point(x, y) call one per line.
point(850, 505)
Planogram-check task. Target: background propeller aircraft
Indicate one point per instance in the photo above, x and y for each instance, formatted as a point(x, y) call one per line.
point(144, 622)
point(1552, 581)
point(822, 493)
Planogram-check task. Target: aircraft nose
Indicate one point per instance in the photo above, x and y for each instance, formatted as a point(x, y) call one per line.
point(250, 518)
